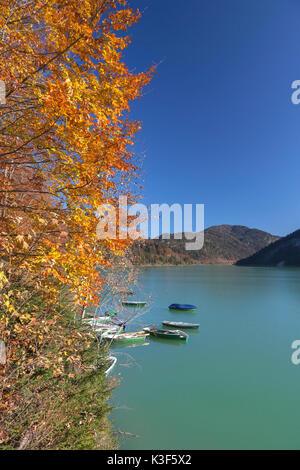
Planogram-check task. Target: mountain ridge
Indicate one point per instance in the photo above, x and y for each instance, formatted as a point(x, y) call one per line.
point(282, 252)
point(223, 244)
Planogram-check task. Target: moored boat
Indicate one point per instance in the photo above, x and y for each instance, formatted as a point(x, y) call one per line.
point(134, 337)
point(103, 316)
point(126, 292)
point(181, 324)
point(185, 307)
point(97, 321)
point(108, 328)
point(133, 303)
point(111, 313)
point(169, 334)
point(111, 364)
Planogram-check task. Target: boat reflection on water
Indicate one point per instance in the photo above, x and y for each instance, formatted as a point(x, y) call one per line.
point(186, 313)
point(124, 345)
point(168, 342)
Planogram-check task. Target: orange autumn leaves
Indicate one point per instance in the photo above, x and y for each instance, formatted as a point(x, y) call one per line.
point(66, 131)
point(65, 138)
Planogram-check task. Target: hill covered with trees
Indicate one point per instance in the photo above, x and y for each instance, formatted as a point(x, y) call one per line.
point(223, 244)
point(283, 252)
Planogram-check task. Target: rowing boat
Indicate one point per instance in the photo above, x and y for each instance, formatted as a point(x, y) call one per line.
point(181, 324)
point(134, 337)
point(134, 303)
point(184, 307)
point(108, 313)
point(169, 334)
point(112, 362)
point(96, 319)
point(111, 313)
point(108, 328)
point(126, 292)
point(100, 320)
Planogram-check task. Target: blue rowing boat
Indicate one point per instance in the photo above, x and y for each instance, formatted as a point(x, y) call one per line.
point(185, 307)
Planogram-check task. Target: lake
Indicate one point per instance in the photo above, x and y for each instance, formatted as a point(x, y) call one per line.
point(233, 385)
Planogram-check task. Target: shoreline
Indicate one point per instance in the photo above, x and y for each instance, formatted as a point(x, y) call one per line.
point(229, 263)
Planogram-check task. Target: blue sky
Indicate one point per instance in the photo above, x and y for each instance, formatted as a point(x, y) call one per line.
point(219, 126)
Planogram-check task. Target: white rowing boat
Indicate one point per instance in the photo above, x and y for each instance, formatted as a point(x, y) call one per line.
point(181, 324)
point(112, 361)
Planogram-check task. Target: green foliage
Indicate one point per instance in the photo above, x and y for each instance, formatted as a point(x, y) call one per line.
point(283, 252)
point(59, 411)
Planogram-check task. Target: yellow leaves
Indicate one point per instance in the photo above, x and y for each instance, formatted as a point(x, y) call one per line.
point(79, 91)
point(25, 317)
point(21, 240)
point(3, 279)
point(8, 303)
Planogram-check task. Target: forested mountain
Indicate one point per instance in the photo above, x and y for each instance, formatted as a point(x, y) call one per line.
point(224, 244)
point(283, 252)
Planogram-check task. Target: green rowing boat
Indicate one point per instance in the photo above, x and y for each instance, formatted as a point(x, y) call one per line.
point(181, 324)
point(134, 303)
point(168, 334)
point(135, 337)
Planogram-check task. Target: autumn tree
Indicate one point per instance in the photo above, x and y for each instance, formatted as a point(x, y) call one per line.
point(64, 150)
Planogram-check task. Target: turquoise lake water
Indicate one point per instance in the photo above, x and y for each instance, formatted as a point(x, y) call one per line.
point(233, 385)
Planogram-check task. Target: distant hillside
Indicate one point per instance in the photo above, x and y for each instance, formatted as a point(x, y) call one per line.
point(284, 252)
point(223, 244)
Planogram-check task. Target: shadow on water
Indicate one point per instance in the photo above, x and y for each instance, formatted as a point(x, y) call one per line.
point(128, 345)
point(169, 342)
point(186, 313)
